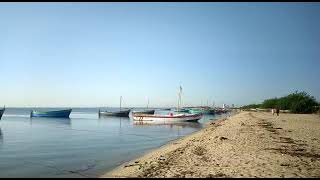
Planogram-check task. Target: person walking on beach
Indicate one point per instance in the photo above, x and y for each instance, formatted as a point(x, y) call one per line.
point(278, 110)
point(272, 110)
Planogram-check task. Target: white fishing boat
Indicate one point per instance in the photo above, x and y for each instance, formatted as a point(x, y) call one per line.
point(168, 118)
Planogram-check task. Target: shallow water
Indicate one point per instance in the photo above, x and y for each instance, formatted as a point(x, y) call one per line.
point(83, 145)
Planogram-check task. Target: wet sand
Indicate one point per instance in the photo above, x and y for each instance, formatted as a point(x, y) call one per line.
point(248, 144)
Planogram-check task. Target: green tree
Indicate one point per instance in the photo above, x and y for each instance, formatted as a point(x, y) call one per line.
point(269, 103)
point(301, 102)
point(297, 102)
point(251, 106)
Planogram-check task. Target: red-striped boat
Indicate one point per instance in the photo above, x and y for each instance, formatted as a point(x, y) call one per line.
point(159, 118)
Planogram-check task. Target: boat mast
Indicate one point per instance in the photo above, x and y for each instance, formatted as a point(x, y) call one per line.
point(120, 102)
point(179, 101)
point(181, 97)
point(148, 104)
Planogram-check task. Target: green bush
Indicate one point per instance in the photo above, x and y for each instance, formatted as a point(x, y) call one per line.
point(269, 103)
point(297, 102)
point(251, 106)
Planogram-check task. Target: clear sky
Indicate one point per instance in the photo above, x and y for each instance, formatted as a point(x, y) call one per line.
point(90, 54)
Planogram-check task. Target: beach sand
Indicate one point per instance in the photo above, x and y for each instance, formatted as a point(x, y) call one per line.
point(248, 144)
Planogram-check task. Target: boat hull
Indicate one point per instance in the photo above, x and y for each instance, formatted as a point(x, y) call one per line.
point(55, 114)
point(182, 110)
point(117, 114)
point(212, 111)
point(1, 113)
point(166, 118)
point(145, 112)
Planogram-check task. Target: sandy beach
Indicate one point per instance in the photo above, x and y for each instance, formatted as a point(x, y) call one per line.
point(248, 144)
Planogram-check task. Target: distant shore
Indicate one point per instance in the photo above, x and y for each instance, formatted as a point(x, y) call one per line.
point(248, 144)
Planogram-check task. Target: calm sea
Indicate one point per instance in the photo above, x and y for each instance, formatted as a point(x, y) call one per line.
point(83, 145)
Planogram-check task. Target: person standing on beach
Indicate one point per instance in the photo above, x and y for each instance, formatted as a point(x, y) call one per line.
point(278, 110)
point(272, 110)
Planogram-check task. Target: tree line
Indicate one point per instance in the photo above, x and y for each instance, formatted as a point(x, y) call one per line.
point(297, 102)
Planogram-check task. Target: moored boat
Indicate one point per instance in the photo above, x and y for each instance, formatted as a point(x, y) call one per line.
point(145, 111)
point(58, 113)
point(166, 118)
point(182, 110)
point(120, 113)
point(220, 111)
point(179, 109)
point(212, 111)
point(199, 110)
point(123, 113)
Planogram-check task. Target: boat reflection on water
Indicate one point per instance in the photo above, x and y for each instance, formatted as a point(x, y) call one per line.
point(50, 120)
point(172, 124)
point(114, 118)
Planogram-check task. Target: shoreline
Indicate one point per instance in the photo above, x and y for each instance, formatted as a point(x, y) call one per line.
point(156, 150)
point(247, 144)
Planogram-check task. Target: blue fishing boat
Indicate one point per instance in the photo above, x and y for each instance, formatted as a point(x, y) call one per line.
point(59, 113)
point(1, 112)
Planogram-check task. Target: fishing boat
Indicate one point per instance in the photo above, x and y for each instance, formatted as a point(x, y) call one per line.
point(145, 111)
point(182, 110)
point(220, 111)
point(56, 114)
point(166, 118)
point(200, 110)
point(212, 111)
point(121, 113)
point(124, 113)
point(1, 112)
point(179, 109)
point(195, 111)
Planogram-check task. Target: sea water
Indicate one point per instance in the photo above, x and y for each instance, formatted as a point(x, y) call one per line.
point(84, 145)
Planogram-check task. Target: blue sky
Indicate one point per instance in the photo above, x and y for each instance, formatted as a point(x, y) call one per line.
point(90, 54)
